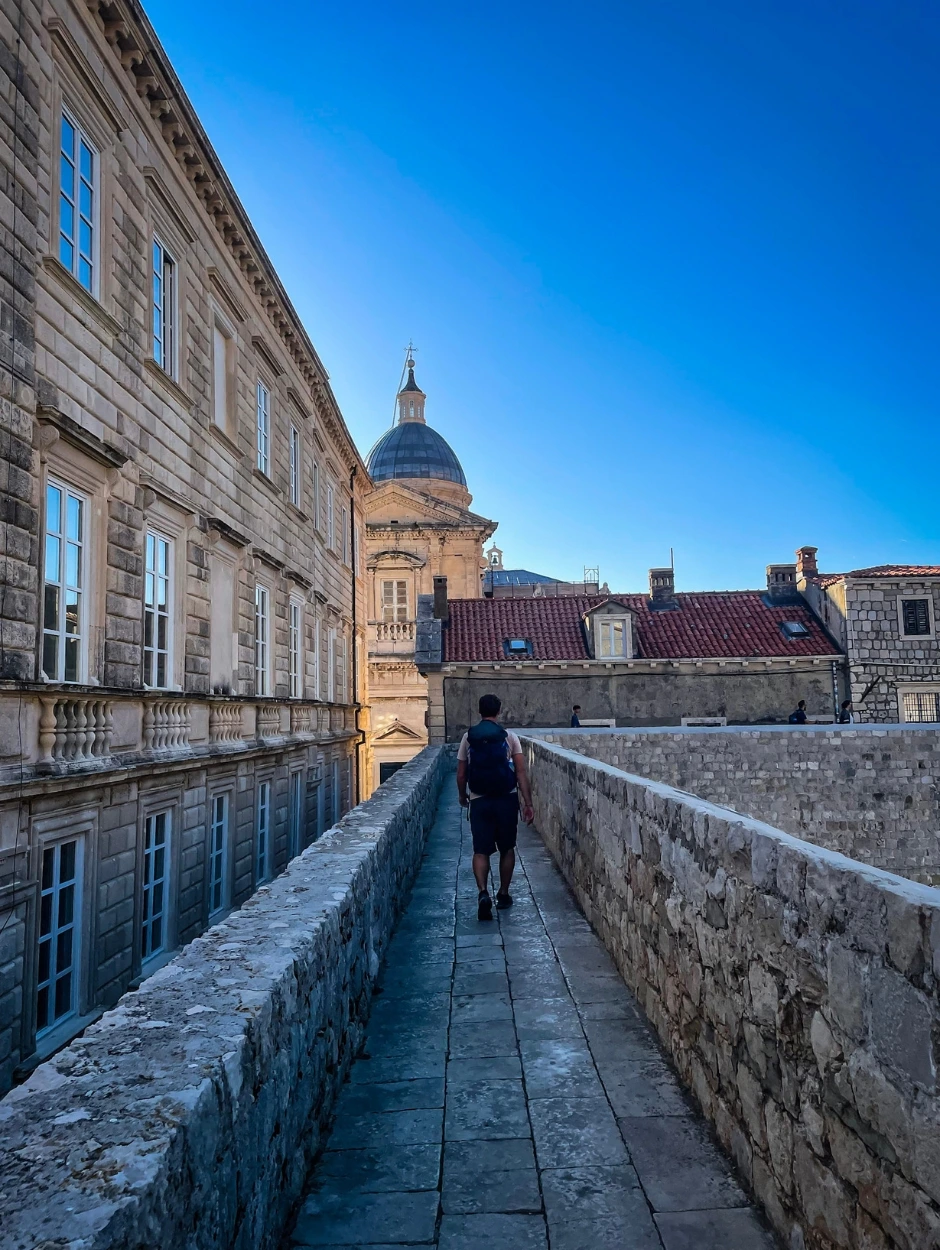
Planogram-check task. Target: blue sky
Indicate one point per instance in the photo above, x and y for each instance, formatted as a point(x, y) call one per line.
point(672, 269)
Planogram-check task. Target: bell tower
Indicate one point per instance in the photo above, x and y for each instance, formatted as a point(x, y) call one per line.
point(411, 398)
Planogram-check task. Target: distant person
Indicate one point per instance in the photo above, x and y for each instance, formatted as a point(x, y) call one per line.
point(798, 717)
point(845, 713)
point(576, 716)
point(490, 777)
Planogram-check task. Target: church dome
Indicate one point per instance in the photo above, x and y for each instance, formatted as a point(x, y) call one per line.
point(414, 450)
point(411, 449)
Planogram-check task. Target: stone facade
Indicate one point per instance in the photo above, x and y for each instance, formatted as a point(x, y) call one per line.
point(886, 621)
point(796, 991)
point(188, 1117)
point(870, 792)
point(182, 605)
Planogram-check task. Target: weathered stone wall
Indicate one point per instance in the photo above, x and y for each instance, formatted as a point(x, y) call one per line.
point(749, 695)
point(796, 990)
point(188, 1116)
point(872, 793)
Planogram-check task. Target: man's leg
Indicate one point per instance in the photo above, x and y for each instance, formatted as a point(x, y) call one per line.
point(507, 862)
point(481, 870)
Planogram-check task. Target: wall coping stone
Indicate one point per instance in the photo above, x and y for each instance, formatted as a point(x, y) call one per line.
point(187, 1117)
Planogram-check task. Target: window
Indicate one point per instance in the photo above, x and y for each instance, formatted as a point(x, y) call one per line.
point(793, 629)
point(921, 706)
point(357, 538)
point(153, 935)
point(517, 648)
point(295, 466)
point(222, 367)
point(295, 648)
point(395, 601)
point(295, 814)
point(316, 495)
point(78, 209)
point(218, 854)
point(611, 639)
point(164, 308)
point(915, 618)
point(345, 538)
point(262, 637)
point(337, 797)
point(341, 665)
point(316, 658)
point(264, 831)
point(331, 667)
point(330, 528)
point(157, 586)
point(263, 423)
point(59, 929)
point(63, 606)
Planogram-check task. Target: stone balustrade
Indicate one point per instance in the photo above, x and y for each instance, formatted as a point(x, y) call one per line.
point(166, 725)
point(188, 1116)
point(225, 721)
point(397, 637)
point(300, 718)
point(796, 990)
point(268, 720)
point(71, 728)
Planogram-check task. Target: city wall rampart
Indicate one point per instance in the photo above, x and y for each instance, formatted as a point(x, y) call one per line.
point(796, 991)
point(869, 791)
point(188, 1116)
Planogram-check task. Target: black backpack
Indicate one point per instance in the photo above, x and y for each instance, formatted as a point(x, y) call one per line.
point(489, 769)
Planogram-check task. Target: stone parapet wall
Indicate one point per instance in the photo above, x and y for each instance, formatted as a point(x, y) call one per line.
point(796, 990)
point(188, 1116)
point(871, 792)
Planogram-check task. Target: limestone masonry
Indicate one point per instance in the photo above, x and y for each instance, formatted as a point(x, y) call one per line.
point(796, 990)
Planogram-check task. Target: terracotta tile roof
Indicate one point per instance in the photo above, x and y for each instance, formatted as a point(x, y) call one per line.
point(883, 570)
point(734, 624)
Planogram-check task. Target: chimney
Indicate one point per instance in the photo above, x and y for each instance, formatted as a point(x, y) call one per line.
point(781, 582)
point(806, 563)
point(662, 586)
point(441, 609)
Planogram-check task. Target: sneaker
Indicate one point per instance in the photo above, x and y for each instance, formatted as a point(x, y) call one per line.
point(503, 901)
point(484, 907)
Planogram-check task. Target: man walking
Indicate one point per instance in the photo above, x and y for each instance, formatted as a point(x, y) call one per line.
point(576, 716)
point(490, 777)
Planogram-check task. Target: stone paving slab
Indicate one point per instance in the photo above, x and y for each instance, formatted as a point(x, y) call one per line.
point(510, 1094)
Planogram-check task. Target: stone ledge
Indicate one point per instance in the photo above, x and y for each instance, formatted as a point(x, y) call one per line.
point(188, 1116)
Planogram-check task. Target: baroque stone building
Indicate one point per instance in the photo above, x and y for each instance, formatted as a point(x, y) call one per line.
point(182, 601)
point(418, 526)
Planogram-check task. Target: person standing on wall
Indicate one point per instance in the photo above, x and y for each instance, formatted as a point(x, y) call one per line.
point(576, 716)
point(491, 776)
point(798, 717)
point(845, 713)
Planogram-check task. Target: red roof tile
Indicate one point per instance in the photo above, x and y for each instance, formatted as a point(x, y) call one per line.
point(734, 624)
point(883, 570)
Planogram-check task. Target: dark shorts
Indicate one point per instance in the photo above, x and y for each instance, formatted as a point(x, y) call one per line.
point(493, 824)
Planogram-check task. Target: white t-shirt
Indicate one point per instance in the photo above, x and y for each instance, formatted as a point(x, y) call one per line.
point(513, 747)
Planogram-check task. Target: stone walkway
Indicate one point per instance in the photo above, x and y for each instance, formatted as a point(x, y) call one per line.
point(510, 1097)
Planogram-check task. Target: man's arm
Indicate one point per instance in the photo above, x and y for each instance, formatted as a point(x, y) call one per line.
point(462, 782)
point(522, 782)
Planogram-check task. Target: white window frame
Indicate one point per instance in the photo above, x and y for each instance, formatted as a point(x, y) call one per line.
point(62, 584)
point(357, 540)
point(931, 620)
point(219, 873)
point(344, 518)
point(316, 658)
point(330, 518)
point(155, 891)
point(50, 937)
point(153, 612)
point(331, 667)
point(295, 474)
point(394, 605)
point(342, 667)
point(604, 625)
point(263, 428)
point(919, 690)
point(263, 795)
point(262, 641)
point(163, 306)
point(74, 201)
point(295, 812)
point(295, 648)
point(317, 522)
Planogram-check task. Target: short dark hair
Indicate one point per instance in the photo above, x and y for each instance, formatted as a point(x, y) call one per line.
point(802, 703)
point(576, 708)
point(846, 702)
point(489, 705)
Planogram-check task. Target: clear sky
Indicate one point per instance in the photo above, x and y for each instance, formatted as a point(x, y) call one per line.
point(673, 269)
